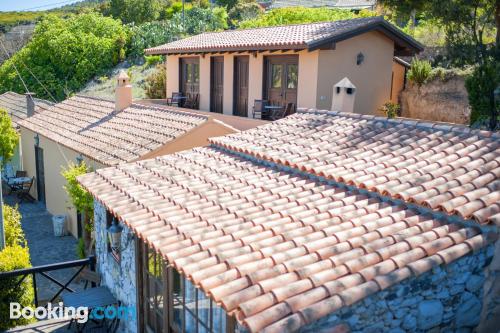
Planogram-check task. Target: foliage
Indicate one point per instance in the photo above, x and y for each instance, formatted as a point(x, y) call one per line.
point(419, 72)
point(81, 199)
point(296, 15)
point(391, 110)
point(244, 10)
point(64, 54)
point(153, 60)
point(12, 258)
point(228, 4)
point(9, 138)
point(135, 11)
point(14, 234)
point(156, 83)
point(80, 249)
point(197, 20)
point(469, 25)
point(481, 85)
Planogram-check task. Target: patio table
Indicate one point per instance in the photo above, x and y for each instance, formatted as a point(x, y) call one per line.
point(19, 180)
point(91, 298)
point(273, 110)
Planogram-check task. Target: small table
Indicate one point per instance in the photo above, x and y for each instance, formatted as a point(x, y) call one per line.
point(91, 298)
point(19, 180)
point(273, 111)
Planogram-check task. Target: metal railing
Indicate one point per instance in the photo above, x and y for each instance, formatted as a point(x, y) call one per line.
point(43, 271)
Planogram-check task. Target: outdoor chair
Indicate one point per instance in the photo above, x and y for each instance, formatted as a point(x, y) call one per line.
point(192, 101)
point(290, 108)
point(8, 174)
point(23, 190)
point(20, 174)
point(175, 100)
point(259, 108)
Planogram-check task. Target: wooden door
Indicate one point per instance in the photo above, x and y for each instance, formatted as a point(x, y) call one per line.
point(217, 84)
point(40, 175)
point(282, 77)
point(241, 86)
point(190, 75)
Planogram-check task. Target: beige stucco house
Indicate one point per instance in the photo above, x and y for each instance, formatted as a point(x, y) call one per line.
point(297, 64)
point(106, 133)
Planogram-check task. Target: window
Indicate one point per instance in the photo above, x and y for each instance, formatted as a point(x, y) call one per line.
point(153, 291)
point(193, 311)
point(276, 73)
point(292, 76)
point(196, 73)
point(110, 219)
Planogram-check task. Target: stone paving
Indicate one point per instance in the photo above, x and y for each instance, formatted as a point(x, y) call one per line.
point(44, 247)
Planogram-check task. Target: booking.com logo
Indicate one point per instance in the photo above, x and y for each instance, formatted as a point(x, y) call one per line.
point(80, 314)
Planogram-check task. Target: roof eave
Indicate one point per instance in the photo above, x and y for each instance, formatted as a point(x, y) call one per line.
point(249, 49)
point(407, 45)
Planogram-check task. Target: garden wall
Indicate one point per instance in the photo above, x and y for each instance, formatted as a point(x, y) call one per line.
point(440, 99)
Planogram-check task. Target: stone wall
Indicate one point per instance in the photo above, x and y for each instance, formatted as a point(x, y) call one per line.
point(438, 100)
point(490, 315)
point(445, 299)
point(119, 278)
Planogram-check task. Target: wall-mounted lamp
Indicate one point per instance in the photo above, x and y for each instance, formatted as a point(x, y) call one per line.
point(360, 58)
point(79, 159)
point(115, 239)
point(37, 140)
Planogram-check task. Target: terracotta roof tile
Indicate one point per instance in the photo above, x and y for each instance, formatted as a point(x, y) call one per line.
point(15, 105)
point(445, 168)
point(91, 127)
point(280, 249)
point(299, 36)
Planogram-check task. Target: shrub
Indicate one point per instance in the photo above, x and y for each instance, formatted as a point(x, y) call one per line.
point(153, 60)
point(156, 83)
point(12, 258)
point(391, 110)
point(419, 72)
point(481, 85)
point(64, 54)
point(14, 234)
point(296, 15)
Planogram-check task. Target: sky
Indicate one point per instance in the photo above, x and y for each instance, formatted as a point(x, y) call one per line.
point(12, 5)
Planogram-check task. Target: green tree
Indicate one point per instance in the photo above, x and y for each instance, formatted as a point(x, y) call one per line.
point(80, 198)
point(244, 10)
point(469, 25)
point(136, 11)
point(228, 4)
point(9, 138)
point(481, 86)
point(64, 54)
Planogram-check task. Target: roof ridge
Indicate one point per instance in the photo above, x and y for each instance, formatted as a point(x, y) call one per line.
point(379, 18)
point(417, 123)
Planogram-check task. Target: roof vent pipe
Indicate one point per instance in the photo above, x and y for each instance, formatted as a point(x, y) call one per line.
point(30, 104)
point(123, 92)
point(344, 94)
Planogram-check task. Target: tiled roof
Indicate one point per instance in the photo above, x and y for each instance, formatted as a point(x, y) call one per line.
point(264, 224)
point(349, 4)
point(93, 128)
point(440, 166)
point(299, 36)
point(15, 104)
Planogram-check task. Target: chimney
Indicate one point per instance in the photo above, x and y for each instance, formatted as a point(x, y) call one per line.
point(344, 94)
point(123, 92)
point(30, 104)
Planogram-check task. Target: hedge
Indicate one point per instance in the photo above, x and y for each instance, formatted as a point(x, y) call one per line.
point(14, 256)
